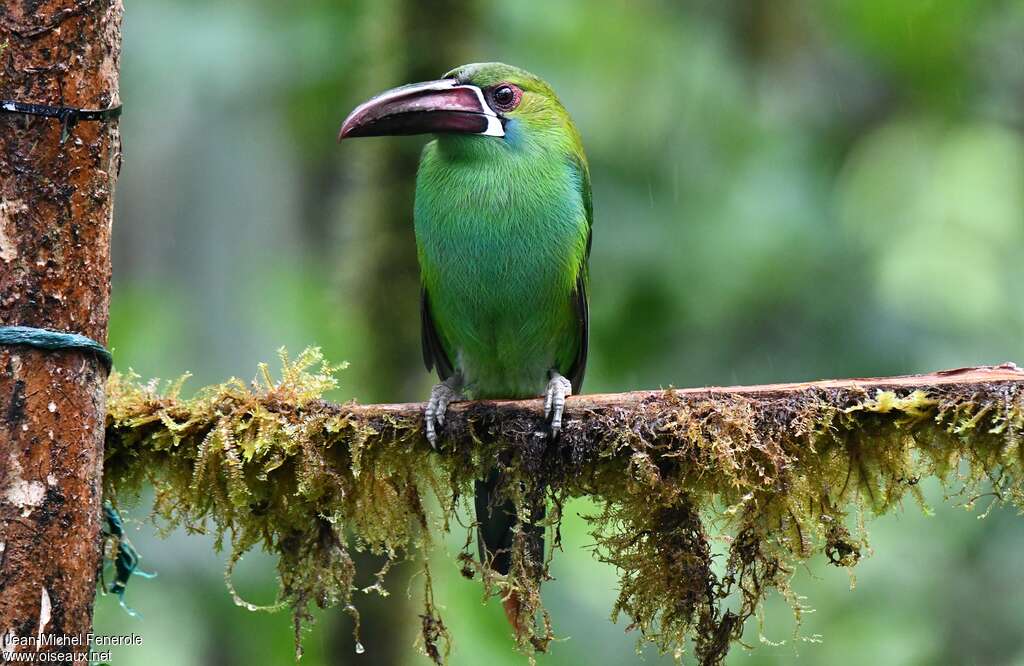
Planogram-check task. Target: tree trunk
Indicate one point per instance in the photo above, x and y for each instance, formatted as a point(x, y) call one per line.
point(55, 219)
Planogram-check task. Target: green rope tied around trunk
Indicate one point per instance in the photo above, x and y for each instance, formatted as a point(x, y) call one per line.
point(42, 338)
point(123, 556)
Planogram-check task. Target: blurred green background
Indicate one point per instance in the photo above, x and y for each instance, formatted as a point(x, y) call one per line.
point(783, 190)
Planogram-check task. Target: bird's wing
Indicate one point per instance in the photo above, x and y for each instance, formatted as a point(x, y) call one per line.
point(434, 354)
point(581, 301)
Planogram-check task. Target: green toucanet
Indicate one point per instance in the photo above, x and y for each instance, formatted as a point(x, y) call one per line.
point(503, 228)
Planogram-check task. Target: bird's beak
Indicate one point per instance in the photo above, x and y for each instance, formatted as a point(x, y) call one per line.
point(432, 107)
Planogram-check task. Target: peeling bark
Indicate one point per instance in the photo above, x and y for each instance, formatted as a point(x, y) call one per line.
point(56, 207)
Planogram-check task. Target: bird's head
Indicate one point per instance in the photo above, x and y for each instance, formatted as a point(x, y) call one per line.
point(487, 101)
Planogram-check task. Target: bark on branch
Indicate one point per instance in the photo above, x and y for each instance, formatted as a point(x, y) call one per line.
point(582, 407)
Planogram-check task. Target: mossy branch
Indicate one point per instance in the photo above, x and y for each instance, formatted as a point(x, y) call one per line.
point(767, 474)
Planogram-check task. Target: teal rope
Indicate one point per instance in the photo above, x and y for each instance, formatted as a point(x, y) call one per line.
point(42, 338)
point(125, 557)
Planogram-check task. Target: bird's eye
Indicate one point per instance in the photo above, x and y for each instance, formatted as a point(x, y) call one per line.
point(506, 97)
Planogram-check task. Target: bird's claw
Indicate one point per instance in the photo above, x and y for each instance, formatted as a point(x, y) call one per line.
point(559, 388)
point(440, 397)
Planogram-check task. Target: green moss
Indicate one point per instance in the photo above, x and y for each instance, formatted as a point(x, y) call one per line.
point(768, 478)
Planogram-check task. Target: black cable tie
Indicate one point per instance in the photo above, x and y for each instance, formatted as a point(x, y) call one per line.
point(67, 115)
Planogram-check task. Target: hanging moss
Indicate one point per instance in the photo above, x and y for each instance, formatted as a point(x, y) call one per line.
point(771, 477)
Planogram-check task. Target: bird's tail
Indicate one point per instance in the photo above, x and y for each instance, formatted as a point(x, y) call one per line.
point(495, 534)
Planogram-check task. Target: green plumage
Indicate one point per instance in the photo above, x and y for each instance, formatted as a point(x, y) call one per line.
point(503, 234)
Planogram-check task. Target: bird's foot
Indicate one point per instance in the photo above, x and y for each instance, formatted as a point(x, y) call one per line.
point(559, 388)
point(441, 396)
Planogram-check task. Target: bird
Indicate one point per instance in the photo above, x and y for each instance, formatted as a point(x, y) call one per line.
point(503, 221)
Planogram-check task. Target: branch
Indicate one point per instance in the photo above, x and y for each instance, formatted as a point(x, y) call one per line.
point(776, 470)
point(581, 407)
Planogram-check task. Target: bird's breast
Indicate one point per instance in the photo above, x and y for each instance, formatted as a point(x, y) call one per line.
point(499, 262)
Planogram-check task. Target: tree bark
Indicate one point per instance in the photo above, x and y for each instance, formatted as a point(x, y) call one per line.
point(55, 219)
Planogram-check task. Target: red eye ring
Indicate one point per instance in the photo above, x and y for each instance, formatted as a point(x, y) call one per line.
point(505, 96)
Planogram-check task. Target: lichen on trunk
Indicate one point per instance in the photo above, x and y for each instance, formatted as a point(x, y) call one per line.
point(768, 474)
